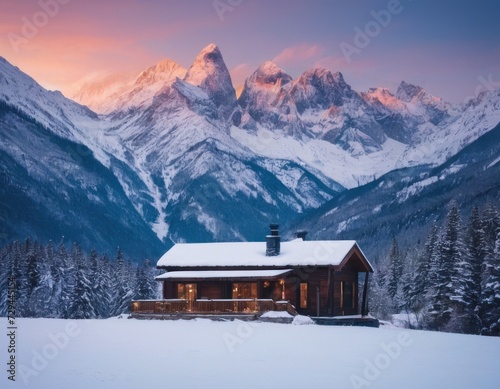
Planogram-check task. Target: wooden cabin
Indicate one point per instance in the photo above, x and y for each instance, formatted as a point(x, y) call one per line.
point(315, 278)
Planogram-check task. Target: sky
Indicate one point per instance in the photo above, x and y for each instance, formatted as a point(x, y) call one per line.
point(449, 47)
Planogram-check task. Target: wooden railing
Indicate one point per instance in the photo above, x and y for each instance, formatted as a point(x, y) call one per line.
point(216, 306)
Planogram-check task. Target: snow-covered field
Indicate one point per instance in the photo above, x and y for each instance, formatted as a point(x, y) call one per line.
point(121, 353)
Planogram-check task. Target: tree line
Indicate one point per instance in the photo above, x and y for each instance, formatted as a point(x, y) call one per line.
point(451, 282)
point(56, 282)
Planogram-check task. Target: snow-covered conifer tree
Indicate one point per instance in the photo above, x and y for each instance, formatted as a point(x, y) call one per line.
point(146, 286)
point(81, 305)
point(123, 285)
point(68, 270)
point(395, 272)
point(100, 278)
point(491, 291)
point(475, 246)
point(443, 292)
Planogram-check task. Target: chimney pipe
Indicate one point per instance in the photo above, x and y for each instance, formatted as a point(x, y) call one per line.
point(273, 241)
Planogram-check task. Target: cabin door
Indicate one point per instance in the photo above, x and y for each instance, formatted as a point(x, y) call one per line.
point(187, 292)
point(347, 296)
point(245, 290)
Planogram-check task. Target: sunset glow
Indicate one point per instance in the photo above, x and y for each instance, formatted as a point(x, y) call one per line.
point(447, 46)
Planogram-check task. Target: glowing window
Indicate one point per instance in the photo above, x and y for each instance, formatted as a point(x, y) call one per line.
point(245, 290)
point(303, 294)
point(186, 291)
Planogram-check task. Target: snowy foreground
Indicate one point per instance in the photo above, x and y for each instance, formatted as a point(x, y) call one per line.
point(121, 353)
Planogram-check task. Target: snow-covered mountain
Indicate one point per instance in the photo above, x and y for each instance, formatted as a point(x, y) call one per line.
point(408, 202)
point(317, 105)
point(193, 167)
point(171, 151)
point(198, 164)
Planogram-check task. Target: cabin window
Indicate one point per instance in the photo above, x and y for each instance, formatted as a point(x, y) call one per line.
point(187, 291)
point(303, 294)
point(245, 290)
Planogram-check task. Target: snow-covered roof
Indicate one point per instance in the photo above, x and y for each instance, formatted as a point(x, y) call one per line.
point(222, 274)
point(294, 253)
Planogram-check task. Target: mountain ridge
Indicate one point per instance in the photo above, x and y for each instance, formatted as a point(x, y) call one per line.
point(194, 161)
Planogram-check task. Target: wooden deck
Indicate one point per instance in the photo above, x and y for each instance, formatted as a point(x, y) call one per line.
point(218, 307)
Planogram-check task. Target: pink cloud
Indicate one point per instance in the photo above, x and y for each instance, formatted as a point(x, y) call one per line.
point(81, 38)
point(239, 74)
point(298, 54)
point(332, 63)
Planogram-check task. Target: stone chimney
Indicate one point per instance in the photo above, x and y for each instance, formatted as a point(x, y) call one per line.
point(273, 242)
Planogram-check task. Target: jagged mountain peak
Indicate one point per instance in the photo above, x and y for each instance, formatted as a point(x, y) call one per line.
point(208, 58)
point(406, 91)
point(323, 73)
point(384, 97)
point(269, 74)
point(320, 88)
point(269, 67)
point(420, 102)
point(167, 70)
point(210, 48)
point(121, 92)
point(209, 72)
point(381, 91)
point(263, 93)
point(317, 73)
point(322, 78)
point(208, 63)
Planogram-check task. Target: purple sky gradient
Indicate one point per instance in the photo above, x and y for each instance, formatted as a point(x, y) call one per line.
point(446, 46)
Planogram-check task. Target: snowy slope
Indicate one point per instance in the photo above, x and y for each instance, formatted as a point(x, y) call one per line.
point(83, 135)
point(121, 353)
point(51, 109)
point(55, 188)
point(407, 202)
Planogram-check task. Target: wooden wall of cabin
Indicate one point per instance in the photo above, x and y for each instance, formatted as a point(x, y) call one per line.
point(168, 290)
point(345, 279)
point(314, 277)
point(211, 290)
point(330, 293)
